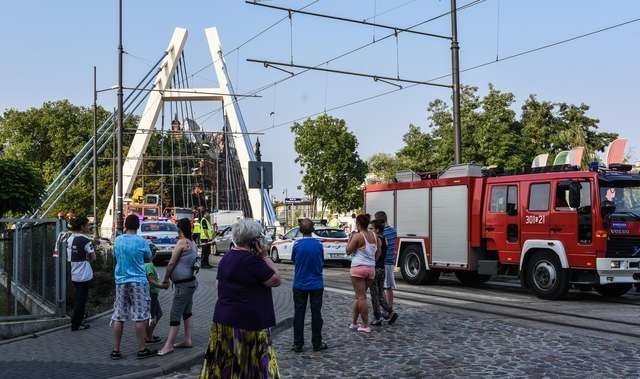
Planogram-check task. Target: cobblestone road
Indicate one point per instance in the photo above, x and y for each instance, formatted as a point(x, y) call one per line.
point(429, 341)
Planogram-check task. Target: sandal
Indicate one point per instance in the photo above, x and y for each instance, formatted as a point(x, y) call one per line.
point(146, 353)
point(115, 355)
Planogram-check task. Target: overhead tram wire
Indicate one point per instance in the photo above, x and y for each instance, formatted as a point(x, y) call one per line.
point(342, 55)
point(488, 63)
point(389, 10)
point(345, 19)
point(248, 40)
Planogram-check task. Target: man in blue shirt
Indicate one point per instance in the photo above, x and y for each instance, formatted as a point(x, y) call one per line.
point(132, 300)
point(308, 256)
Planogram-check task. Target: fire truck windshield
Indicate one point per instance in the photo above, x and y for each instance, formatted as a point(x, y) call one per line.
point(624, 195)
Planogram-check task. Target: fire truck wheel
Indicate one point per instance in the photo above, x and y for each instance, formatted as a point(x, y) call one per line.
point(546, 277)
point(274, 255)
point(412, 265)
point(471, 278)
point(613, 290)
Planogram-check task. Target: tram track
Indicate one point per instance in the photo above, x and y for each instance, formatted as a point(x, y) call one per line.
point(472, 303)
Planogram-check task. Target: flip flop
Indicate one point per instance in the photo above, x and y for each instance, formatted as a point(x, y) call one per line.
point(181, 346)
point(162, 354)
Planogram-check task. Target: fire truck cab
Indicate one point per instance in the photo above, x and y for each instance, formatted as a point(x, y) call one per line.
point(553, 229)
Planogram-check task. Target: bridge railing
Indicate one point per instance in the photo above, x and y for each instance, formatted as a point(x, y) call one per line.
point(31, 275)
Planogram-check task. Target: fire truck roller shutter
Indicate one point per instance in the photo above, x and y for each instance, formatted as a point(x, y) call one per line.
point(450, 226)
point(381, 201)
point(414, 220)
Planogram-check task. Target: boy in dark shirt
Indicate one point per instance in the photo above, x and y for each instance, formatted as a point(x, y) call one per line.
point(308, 257)
point(377, 287)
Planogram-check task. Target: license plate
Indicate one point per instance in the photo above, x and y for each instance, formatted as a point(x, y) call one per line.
point(336, 255)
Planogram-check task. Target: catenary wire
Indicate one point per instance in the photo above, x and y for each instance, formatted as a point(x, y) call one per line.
point(512, 56)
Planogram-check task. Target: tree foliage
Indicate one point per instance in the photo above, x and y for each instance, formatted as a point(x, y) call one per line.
point(48, 138)
point(494, 135)
point(332, 169)
point(22, 187)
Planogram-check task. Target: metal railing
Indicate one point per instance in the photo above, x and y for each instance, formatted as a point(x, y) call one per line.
point(32, 276)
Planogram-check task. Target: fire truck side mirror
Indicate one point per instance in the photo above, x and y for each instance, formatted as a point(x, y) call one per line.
point(574, 195)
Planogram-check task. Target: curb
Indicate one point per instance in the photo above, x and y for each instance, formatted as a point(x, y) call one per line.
point(193, 358)
point(47, 331)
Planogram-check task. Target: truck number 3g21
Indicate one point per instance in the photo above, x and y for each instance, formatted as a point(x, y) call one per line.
point(534, 219)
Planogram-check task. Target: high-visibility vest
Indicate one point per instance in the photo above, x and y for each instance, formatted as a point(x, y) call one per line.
point(207, 229)
point(197, 228)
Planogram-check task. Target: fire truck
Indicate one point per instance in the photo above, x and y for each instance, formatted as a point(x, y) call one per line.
point(554, 230)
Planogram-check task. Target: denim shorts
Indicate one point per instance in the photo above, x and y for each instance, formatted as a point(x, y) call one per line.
point(132, 302)
point(389, 277)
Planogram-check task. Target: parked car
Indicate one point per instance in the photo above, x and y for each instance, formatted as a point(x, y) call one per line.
point(163, 235)
point(334, 241)
point(224, 241)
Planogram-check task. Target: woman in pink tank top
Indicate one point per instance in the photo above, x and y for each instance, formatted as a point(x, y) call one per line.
point(363, 246)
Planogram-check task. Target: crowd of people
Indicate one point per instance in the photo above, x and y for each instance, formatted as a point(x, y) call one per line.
point(240, 336)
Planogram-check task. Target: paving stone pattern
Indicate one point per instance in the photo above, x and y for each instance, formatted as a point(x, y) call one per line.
point(428, 341)
point(85, 354)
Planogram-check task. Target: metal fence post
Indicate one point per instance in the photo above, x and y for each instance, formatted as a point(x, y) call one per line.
point(60, 269)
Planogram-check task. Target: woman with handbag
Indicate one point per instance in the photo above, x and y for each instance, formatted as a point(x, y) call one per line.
point(180, 270)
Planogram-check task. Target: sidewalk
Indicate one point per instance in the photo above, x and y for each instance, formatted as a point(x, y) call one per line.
point(85, 354)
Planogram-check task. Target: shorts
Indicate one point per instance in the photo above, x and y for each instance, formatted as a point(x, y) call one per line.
point(364, 272)
point(156, 309)
point(132, 302)
point(389, 277)
point(182, 301)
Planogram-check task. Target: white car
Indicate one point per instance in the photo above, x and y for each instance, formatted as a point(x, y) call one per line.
point(334, 242)
point(163, 235)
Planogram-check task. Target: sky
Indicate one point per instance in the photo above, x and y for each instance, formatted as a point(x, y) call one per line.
point(50, 47)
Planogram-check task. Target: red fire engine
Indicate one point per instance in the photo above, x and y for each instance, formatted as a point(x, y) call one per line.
point(552, 229)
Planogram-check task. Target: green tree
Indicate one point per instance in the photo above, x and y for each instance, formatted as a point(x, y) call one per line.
point(22, 187)
point(382, 167)
point(48, 137)
point(417, 152)
point(332, 169)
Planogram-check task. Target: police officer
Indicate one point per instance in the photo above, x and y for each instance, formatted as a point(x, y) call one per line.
point(197, 231)
point(206, 238)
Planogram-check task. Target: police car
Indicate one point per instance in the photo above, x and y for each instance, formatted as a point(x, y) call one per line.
point(334, 242)
point(163, 235)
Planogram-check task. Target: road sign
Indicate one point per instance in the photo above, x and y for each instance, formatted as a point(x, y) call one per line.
point(254, 174)
point(293, 200)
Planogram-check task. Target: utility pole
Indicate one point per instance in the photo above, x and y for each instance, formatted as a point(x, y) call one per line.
point(455, 68)
point(95, 155)
point(259, 158)
point(120, 126)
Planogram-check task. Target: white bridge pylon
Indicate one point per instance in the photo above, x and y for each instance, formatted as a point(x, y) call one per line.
point(161, 92)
